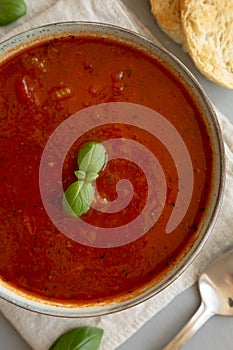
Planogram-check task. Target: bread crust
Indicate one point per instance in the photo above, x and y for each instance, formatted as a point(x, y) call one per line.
point(208, 31)
point(167, 14)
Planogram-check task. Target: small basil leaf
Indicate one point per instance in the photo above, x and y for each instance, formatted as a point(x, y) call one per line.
point(11, 10)
point(80, 174)
point(91, 157)
point(91, 176)
point(78, 197)
point(81, 338)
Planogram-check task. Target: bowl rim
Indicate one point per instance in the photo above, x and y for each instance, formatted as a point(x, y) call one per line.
point(28, 301)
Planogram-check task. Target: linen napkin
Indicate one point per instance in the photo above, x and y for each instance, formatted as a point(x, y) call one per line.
point(117, 327)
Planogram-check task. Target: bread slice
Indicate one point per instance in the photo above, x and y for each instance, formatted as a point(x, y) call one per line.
point(167, 14)
point(208, 31)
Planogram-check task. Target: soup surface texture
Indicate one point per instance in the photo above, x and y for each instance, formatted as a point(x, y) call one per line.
point(40, 88)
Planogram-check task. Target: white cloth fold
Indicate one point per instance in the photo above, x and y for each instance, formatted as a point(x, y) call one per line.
point(50, 11)
point(40, 331)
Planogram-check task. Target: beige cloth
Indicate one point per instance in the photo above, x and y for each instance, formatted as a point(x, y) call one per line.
point(40, 331)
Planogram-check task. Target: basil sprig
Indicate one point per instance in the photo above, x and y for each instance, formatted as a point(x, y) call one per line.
point(78, 196)
point(81, 338)
point(11, 10)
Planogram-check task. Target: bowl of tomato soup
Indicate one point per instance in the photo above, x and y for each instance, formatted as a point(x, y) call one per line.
point(111, 169)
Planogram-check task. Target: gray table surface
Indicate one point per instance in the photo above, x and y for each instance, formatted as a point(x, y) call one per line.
point(217, 334)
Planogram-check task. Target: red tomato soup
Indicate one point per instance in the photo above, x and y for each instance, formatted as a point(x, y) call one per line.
point(40, 88)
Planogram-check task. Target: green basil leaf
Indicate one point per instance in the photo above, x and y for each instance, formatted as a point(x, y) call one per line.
point(80, 174)
point(78, 197)
point(81, 338)
point(91, 176)
point(91, 157)
point(11, 10)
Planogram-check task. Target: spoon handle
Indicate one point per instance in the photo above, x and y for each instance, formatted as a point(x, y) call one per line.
point(193, 325)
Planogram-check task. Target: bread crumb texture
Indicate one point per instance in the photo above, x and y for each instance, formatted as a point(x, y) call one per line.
point(167, 14)
point(208, 30)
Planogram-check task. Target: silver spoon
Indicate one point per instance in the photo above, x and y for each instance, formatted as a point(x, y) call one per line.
point(216, 289)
